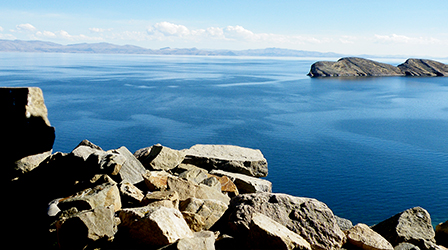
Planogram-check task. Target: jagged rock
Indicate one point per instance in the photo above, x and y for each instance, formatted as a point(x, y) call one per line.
point(265, 233)
point(212, 182)
point(131, 196)
point(353, 66)
point(406, 246)
point(442, 234)
point(25, 125)
point(28, 163)
point(154, 226)
point(156, 180)
point(210, 211)
point(162, 198)
point(344, 224)
point(158, 157)
point(86, 227)
point(204, 240)
point(196, 175)
point(227, 185)
point(309, 218)
point(132, 170)
point(412, 226)
point(246, 184)
point(100, 196)
point(362, 236)
point(229, 158)
point(423, 67)
point(187, 189)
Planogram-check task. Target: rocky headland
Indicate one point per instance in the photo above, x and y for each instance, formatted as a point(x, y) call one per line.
point(205, 197)
point(355, 66)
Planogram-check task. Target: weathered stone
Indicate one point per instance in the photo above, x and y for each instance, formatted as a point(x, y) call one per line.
point(204, 240)
point(131, 170)
point(212, 182)
point(246, 184)
point(210, 210)
point(85, 149)
point(309, 218)
point(343, 224)
point(156, 180)
point(195, 221)
point(442, 234)
point(131, 196)
point(154, 226)
point(265, 233)
point(229, 158)
point(406, 246)
point(162, 198)
point(196, 175)
point(187, 189)
point(86, 227)
point(423, 67)
point(100, 196)
point(159, 157)
point(362, 236)
point(28, 163)
point(25, 125)
point(227, 185)
point(412, 226)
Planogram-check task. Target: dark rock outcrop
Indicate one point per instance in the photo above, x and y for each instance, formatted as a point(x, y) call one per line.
point(354, 66)
point(423, 67)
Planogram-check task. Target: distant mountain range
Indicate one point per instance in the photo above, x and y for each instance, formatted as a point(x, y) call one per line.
point(108, 48)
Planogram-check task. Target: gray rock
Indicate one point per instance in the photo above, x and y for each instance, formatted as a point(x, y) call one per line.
point(131, 170)
point(265, 233)
point(159, 157)
point(27, 130)
point(344, 224)
point(229, 158)
point(196, 175)
point(406, 246)
point(87, 227)
point(362, 236)
point(412, 226)
point(353, 66)
point(246, 184)
point(154, 226)
point(442, 234)
point(210, 211)
point(309, 218)
point(423, 67)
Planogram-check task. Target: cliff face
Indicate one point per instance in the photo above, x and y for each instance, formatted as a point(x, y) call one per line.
point(354, 66)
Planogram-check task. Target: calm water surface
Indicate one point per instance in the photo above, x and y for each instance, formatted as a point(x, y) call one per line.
point(368, 148)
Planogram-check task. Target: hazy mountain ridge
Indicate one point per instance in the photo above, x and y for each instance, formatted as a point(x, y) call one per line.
point(108, 48)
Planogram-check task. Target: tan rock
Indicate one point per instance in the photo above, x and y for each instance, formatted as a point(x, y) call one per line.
point(162, 198)
point(246, 184)
point(159, 157)
point(362, 236)
point(156, 180)
point(130, 195)
point(209, 210)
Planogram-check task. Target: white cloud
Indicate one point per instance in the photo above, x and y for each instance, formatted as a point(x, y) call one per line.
point(1, 28)
point(169, 29)
point(394, 38)
point(47, 34)
point(99, 30)
point(26, 27)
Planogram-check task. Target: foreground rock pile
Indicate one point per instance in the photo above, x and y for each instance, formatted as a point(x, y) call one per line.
point(204, 197)
point(354, 66)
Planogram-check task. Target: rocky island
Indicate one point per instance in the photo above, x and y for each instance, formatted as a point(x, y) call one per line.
point(355, 66)
point(206, 197)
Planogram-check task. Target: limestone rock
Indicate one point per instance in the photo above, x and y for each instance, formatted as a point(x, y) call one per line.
point(210, 210)
point(423, 67)
point(406, 246)
point(154, 226)
point(246, 184)
point(343, 224)
point(25, 125)
point(86, 227)
point(353, 66)
point(412, 226)
point(442, 234)
point(362, 236)
point(212, 182)
point(196, 175)
point(100, 196)
point(187, 189)
point(156, 180)
point(229, 158)
point(28, 163)
point(132, 170)
point(204, 240)
point(131, 196)
point(159, 157)
point(309, 218)
point(265, 233)
point(227, 185)
point(162, 198)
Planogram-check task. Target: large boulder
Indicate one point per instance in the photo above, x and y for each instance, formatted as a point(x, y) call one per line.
point(412, 226)
point(229, 158)
point(353, 66)
point(154, 226)
point(25, 127)
point(156, 180)
point(265, 233)
point(202, 214)
point(442, 234)
point(158, 157)
point(363, 237)
point(246, 184)
point(309, 218)
point(423, 67)
point(204, 240)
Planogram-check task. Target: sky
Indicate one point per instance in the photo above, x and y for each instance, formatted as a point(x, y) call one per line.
point(355, 27)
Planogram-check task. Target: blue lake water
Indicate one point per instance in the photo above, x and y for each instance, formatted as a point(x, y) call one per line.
point(369, 148)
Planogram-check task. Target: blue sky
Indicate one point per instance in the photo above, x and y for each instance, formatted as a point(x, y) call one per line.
point(381, 27)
